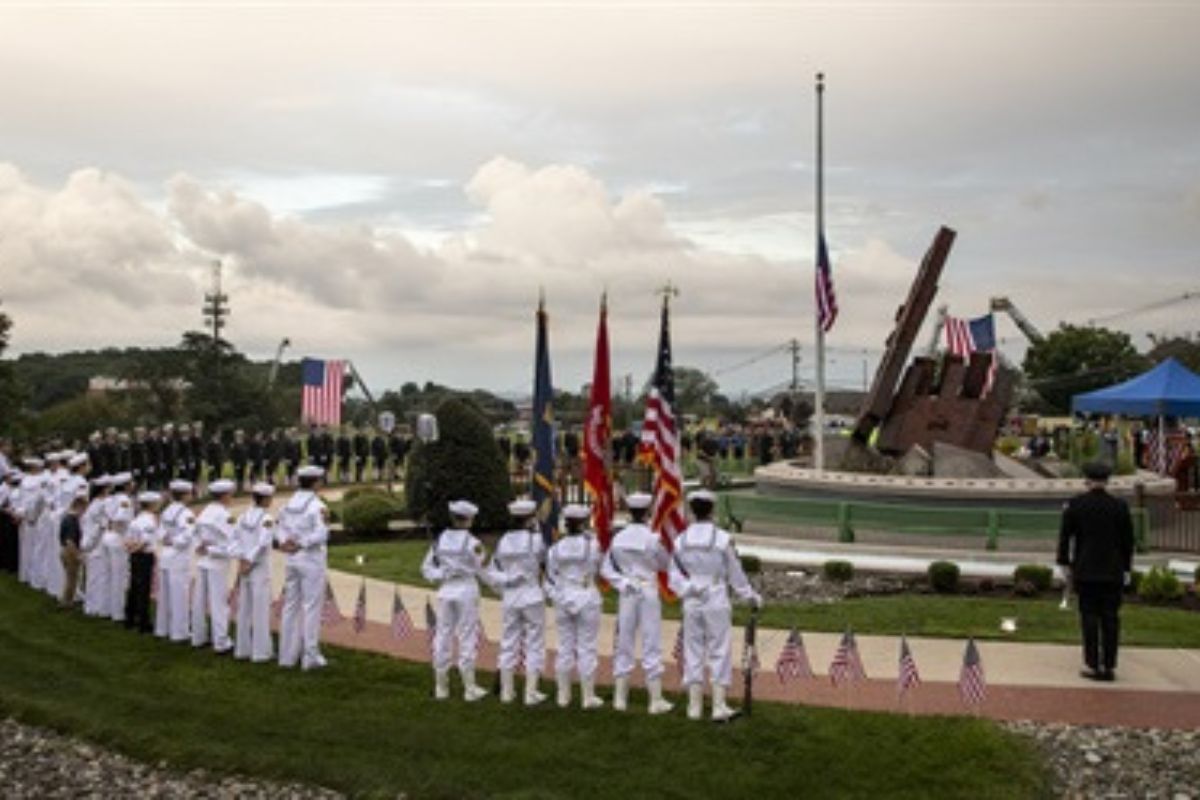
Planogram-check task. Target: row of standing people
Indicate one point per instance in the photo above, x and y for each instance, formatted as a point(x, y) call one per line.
point(702, 568)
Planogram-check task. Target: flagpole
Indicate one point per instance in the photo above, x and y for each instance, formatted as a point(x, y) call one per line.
point(819, 392)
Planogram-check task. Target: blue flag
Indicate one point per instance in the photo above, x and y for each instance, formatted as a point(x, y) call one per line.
point(543, 488)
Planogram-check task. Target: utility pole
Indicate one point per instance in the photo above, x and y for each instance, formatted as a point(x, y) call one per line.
point(795, 348)
point(216, 309)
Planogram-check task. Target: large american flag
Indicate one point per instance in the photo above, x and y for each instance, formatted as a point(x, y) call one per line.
point(967, 336)
point(847, 664)
point(402, 624)
point(793, 659)
point(321, 392)
point(827, 308)
point(972, 686)
point(660, 438)
point(908, 676)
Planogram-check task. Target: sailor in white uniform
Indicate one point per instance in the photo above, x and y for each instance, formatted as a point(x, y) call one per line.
point(255, 535)
point(571, 571)
point(94, 524)
point(303, 534)
point(515, 571)
point(178, 534)
point(119, 513)
point(215, 546)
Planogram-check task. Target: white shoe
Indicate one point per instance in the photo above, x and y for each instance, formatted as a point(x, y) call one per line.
point(508, 691)
point(720, 711)
point(564, 689)
point(590, 700)
point(472, 693)
point(441, 684)
point(532, 695)
point(621, 694)
point(695, 701)
point(657, 704)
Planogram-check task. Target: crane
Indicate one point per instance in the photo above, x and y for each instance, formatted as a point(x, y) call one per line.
point(1005, 305)
point(274, 373)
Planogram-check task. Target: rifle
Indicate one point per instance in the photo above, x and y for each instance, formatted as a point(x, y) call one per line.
point(749, 656)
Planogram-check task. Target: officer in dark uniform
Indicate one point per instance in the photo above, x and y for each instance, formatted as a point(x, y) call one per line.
point(137, 457)
point(170, 462)
point(291, 456)
point(214, 454)
point(154, 459)
point(379, 455)
point(187, 458)
point(238, 455)
point(256, 455)
point(95, 453)
point(123, 454)
point(362, 449)
point(197, 445)
point(1095, 549)
point(108, 452)
point(343, 451)
point(272, 455)
point(327, 451)
point(398, 445)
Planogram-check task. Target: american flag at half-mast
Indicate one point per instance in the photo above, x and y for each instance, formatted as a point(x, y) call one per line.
point(360, 608)
point(827, 307)
point(908, 676)
point(793, 660)
point(1165, 454)
point(402, 624)
point(330, 613)
point(972, 685)
point(967, 336)
point(660, 437)
point(430, 622)
point(847, 666)
point(321, 391)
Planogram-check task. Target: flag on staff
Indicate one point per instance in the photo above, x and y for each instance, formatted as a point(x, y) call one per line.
point(972, 686)
point(793, 659)
point(597, 437)
point(847, 664)
point(321, 392)
point(908, 676)
point(402, 624)
point(543, 490)
point(827, 307)
point(967, 336)
point(430, 623)
point(330, 613)
point(360, 608)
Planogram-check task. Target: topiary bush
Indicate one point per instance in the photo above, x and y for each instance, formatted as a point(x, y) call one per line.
point(751, 565)
point(839, 571)
point(369, 513)
point(1036, 575)
point(943, 576)
point(465, 463)
point(1160, 585)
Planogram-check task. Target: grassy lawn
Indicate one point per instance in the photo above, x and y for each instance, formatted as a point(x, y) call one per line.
point(367, 727)
point(1039, 620)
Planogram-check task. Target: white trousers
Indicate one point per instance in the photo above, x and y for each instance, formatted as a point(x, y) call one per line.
point(300, 628)
point(639, 616)
point(458, 618)
point(27, 537)
point(118, 580)
point(172, 613)
point(54, 577)
point(523, 638)
point(95, 595)
point(37, 553)
point(578, 635)
point(210, 604)
point(254, 616)
point(706, 643)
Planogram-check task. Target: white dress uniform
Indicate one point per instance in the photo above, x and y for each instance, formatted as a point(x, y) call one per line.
point(303, 522)
point(60, 491)
point(571, 571)
point(453, 563)
point(255, 534)
point(210, 595)
point(119, 513)
point(30, 504)
point(703, 569)
point(93, 524)
point(172, 616)
point(515, 571)
point(631, 566)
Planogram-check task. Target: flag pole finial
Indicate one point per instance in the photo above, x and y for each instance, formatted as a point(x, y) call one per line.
point(668, 290)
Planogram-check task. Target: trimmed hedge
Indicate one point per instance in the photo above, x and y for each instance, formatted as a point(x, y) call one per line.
point(751, 565)
point(1038, 576)
point(839, 571)
point(370, 512)
point(1160, 585)
point(943, 576)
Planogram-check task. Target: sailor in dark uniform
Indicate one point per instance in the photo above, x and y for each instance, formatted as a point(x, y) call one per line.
point(292, 456)
point(362, 450)
point(379, 455)
point(397, 451)
point(187, 458)
point(170, 462)
point(197, 444)
point(343, 457)
point(272, 455)
point(327, 446)
point(138, 457)
point(154, 459)
point(214, 454)
point(238, 455)
point(256, 455)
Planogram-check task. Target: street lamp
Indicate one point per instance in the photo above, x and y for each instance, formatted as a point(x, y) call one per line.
point(427, 434)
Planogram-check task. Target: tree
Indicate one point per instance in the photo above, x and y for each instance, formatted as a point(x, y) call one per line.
point(1184, 348)
point(1076, 359)
point(694, 390)
point(10, 393)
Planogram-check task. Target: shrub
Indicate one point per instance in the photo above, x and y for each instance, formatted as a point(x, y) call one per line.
point(1008, 445)
point(1196, 577)
point(751, 565)
point(1038, 576)
point(1135, 580)
point(839, 571)
point(464, 463)
point(1160, 585)
point(943, 576)
point(361, 491)
point(369, 513)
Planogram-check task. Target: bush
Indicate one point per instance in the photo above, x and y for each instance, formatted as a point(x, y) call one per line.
point(751, 565)
point(361, 491)
point(1196, 578)
point(943, 576)
point(1135, 580)
point(839, 571)
point(1008, 445)
point(1160, 585)
point(465, 463)
point(369, 513)
point(1038, 576)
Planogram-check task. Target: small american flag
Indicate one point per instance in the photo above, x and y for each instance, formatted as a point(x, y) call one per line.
point(827, 308)
point(972, 685)
point(360, 608)
point(967, 336)
point(793, 659)
point(908, 676)
point(321, 395)
point(677, 649)
point(430, 623)
point(402, 624)
point(330, 613)
point(847, 664)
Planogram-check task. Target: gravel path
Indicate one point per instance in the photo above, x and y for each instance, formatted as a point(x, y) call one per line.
point(37, 763)
point(1111, 763)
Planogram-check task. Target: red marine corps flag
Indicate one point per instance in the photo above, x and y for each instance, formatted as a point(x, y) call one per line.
point(597, 437)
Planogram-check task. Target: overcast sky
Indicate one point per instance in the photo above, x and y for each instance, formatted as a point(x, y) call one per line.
point(393, 183)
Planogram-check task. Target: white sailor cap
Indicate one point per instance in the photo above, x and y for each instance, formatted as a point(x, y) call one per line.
point(310, 471)
point(82, 494)
point(103, 480)
point(54, 457)
point(149, 497)
point(522, 508)
point(223, 486)
point(263, 489)
point(121, 478)
point(180, 486)
point(463, 508)
point(33, 463)
point(577, 511)
point(78, 460)
point(703, 495)
point(68, 454)
point(639, 500)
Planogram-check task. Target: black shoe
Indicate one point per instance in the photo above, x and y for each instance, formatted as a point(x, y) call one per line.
point(1091, 674)
point(1108, 676)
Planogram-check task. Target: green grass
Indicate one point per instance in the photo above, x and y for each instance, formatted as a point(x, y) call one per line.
point(367, 726)
point(955, 617)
